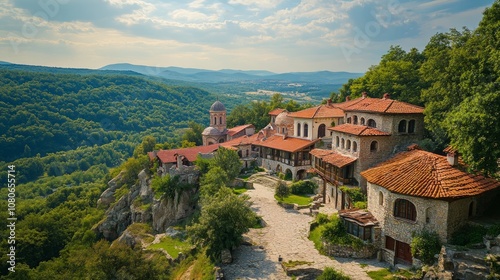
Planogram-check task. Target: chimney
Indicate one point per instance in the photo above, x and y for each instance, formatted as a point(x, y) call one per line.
point(364, 94)
point(347, 98)
point(386, 96)
point(329, 102)
point(451, 156)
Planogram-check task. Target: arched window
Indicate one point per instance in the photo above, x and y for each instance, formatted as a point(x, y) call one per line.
point(298, 129)
point(221, 141)
point(372, 123)
point(349, 120)
point(354, 146)
point(362, 121)
point(348, 146)
point(405, 209)
point(355, 119)
point(471, 209)
point(342, 144)
point(321, 130)
point(306, 130)
point(402, 126)
point(220, 120)
point(380, 198)
point(215, 120)
point(373, 146)
point(337, 141)
point(411, 126)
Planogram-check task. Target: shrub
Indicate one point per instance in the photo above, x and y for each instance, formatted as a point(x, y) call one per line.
point(322, 218)
point(468, 234)
point(334, 229)
point(354, 193)
point(425, 245)
point(360, 204)
point(303, 187)
point(282, 190)
point(331, 274)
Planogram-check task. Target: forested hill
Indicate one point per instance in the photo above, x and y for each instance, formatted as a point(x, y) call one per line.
point(45, 112)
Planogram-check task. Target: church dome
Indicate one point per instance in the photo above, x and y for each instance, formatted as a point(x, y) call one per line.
point(218, 107)
point(211, 131)
point(283, 119)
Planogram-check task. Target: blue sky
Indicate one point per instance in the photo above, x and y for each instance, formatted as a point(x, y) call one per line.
point(275, 35)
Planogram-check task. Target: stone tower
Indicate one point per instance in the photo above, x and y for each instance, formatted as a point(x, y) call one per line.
point(217, 131)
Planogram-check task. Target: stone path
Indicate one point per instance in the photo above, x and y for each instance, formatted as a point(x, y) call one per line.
point(286, 235)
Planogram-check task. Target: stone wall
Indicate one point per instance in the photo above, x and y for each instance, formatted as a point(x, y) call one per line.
point(343, 251)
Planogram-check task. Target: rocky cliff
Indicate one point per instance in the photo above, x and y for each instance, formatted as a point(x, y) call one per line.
point(139, 205)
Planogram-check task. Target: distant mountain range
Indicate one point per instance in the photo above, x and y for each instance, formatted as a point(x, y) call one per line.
point(229, 75)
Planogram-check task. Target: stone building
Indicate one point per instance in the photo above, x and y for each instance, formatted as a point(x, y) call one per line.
point(417, 190)
point(374, 129)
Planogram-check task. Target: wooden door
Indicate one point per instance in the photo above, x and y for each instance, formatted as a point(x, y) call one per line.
point(403, 253)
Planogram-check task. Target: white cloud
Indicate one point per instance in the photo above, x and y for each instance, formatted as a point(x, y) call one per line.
point(265, 4)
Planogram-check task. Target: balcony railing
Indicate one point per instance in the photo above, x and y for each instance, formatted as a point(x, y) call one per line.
point(332, 177)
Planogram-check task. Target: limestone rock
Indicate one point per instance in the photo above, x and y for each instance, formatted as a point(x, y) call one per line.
point(226, 256)
point(168, 211)
point(108, 196)
point(495, 250)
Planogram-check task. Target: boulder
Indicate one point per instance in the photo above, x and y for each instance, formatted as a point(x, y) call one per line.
point(226, 257)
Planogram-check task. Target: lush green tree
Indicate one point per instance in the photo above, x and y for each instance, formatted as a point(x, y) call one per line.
point(212, 181)
point(425, 245)
point(224, 218)
point(193, 133)
point(229, 161)
point(187, 144)
point(147, 145)
point(282, 190)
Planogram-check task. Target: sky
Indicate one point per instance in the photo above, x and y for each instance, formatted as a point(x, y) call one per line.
point(275, 35)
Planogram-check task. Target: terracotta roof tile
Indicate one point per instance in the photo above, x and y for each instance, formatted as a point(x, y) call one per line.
point(424, 174)
point(322, 111)
point(333, 157)
point(276, 112)
point(244, 140)
point(168, 156)
point(378, 105)
point(237, 129)
point(288, 144)
point(360, 130)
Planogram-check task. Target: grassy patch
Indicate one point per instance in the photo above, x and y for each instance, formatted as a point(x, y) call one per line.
point(194, 267)
point(173, 246)
point(315, 237)
point(291, 264)
point(386, 274)
point(295, 199)
point(363, 265)
point(239, 190)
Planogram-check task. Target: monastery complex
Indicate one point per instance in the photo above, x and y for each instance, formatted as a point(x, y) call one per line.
point(367, 143)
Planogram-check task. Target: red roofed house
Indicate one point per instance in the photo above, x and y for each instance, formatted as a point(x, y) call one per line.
point(374, 130)
point(418, 190)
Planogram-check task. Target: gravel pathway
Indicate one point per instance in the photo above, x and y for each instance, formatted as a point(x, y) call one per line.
point(285, 235)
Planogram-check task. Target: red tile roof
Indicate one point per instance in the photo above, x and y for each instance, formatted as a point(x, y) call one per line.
point(360, 130)
point(361, 217)
point(379, 105)
point(244, 140)
point(289, 144)
point(333, 157)
point(168, 156)
point(424, 174)
point(237, 129)
point(276, 112)
point(322, 111)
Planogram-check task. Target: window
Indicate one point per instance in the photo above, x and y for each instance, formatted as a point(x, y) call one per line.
point(405, 209)
point(298, 129)
point(374, 146)
point(321, 130)
point(402, 126)
point(362, 121)
point(215, 120)
point(342, 145)
point(349, 120)
point(354, 146)
point(273, 119)
point(337, 141)
point(380, 198)
point(372, 123)
point(348, 147)
point(411, 126)
point(389, 243)
point(355, 119)
point(221, 141)
point(360, 232)
point(306, 130)
point(220, 120)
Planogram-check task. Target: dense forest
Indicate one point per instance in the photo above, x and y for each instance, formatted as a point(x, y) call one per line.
point(68, 134)
point(457, 79)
